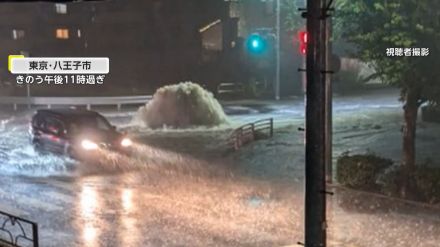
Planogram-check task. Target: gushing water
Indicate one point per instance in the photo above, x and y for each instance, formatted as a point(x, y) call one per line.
point(17, 156)
point(182, 105)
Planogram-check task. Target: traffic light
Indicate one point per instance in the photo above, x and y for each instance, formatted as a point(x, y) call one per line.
point(303, 38)
point(256, 44)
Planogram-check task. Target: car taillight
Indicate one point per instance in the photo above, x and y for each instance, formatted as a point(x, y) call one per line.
point(53, 138)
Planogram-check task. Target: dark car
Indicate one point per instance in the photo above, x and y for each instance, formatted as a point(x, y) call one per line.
point(75, 132)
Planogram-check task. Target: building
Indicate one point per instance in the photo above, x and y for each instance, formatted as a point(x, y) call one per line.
point(149, 42)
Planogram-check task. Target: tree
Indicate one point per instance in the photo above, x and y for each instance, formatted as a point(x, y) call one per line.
point(376, 25)
point(292, 17)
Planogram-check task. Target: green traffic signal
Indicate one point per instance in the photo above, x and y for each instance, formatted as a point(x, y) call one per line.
point(256, 44)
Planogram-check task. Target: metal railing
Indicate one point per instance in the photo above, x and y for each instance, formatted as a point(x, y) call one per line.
point(75, 101)
point(250, 132)
point(230, 88)
point(17, 232)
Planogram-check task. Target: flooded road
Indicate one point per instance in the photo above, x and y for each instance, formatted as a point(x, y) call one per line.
point(183, 188)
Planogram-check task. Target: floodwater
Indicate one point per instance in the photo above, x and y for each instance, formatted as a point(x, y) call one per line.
point(182, 188)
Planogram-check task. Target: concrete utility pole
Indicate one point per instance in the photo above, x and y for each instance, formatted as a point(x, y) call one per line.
point(316, 115)
point(328, 103)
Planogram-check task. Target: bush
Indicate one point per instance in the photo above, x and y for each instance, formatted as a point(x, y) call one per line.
point(427, 181)
point(390, 181)
point(376, 174)
point(361, 171)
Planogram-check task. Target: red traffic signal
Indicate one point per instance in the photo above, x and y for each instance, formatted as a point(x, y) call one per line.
point(302, 36)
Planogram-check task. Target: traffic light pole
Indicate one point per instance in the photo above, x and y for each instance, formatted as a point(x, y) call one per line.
point(315, 170)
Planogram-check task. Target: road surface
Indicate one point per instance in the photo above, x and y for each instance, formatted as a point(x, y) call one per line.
point(181, 188)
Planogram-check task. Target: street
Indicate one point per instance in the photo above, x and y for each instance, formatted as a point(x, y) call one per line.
point(184, 188)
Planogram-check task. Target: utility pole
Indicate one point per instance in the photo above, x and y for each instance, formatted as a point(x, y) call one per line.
point(277, 50)
point(328, 103)
point(316, 115)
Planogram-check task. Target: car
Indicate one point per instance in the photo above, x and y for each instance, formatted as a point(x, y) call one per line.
point(75, 133)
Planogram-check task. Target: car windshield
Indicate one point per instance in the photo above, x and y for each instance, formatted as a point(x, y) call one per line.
point(90, 122)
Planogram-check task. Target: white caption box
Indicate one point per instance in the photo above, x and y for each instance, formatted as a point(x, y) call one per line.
point(60, 65)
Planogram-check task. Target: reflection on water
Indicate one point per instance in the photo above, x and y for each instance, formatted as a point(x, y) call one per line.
point(89, 234)
point(130, 233)
point(89, 204)
point(88, 201)
point(127, 197)
point(107, 218)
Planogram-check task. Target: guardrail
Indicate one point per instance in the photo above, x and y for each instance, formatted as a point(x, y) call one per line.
point(250, 132)
point(19, 231)
point(230, 88)
point(75, 101)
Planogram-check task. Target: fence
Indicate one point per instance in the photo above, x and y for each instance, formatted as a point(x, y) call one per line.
point(250, 132)
point(75, 101)
point(17, 231)
point(230, 88)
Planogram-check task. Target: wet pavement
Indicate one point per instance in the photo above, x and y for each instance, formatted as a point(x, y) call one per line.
point(182, 189)
point(131, 209)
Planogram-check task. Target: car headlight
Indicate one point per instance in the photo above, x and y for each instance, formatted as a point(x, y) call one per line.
point(126, 142)
point(89, 145)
